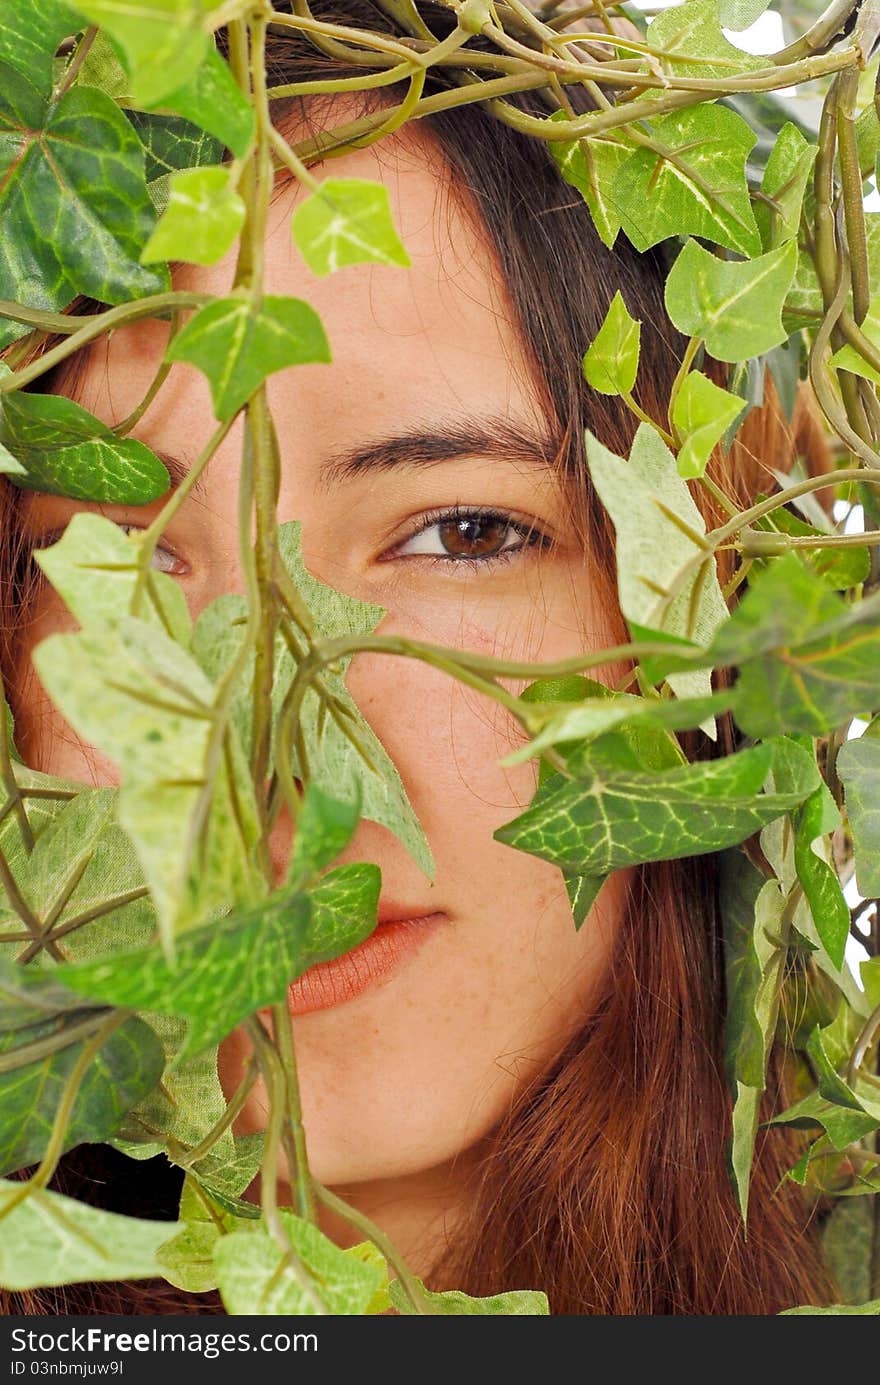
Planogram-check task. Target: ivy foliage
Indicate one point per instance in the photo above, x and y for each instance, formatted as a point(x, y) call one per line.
point(140, 923)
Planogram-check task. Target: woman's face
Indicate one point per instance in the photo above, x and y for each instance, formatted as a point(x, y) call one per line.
point(415, 1069)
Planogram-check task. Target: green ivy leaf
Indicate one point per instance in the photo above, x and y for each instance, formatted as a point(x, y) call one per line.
point(818, 816)
point(72, 190)
point(171, 144)
point(203, 217)
point(227, 969)
point(590, 165)
point(133, 692)
point(93, 567)
point(616, 814)
point(806, 657)
point(334, 764)
point(65, 450)
point(702, 414)
point(126, 1068)
point(187, 1259)
point(692, 30)
point(29, 36)
point(734, 305)
point(237, 345)
point(213, 101)
point(347, 221)
point(51, 1239)
point(666, 581)
point(254, 1279)
point(834, 1310)
point(740, 14)
point(785, 181)
point(842, 1125)
point(163, 41)
point(528, 1303)
point(612, 360)
point(754, 960)
point(324, 828)
point(691, 181)
point(858, 765)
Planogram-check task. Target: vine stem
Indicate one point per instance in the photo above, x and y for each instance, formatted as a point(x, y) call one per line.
point(283, 1031)
point(363, 1223)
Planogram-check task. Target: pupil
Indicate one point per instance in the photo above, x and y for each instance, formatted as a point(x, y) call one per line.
point(473, 537)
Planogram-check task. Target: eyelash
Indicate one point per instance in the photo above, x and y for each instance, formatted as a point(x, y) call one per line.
point(531, 536)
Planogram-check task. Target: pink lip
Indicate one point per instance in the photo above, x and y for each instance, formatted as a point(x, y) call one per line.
point(378, 957)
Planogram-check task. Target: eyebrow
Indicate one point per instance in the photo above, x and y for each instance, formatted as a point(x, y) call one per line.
point(494, 438)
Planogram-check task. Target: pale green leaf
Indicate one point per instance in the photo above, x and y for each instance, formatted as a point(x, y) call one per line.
point(93, 567)
point(529, 1303)
point(612, 359)
point(163, 41)
point(213, 100)
point(740, 14)
point(666, 581)
point(849, 358)
point(253, 1278)
point(690, 181)
point(324, 828)
point(237, 345)
point(701, 415)
point(51, 1239)
point(590, 165)
point(870, 1309)
point(187, 1259)
point(785, 181)
point(733, 305)
point(347, 221)
point(136, 694)
point(203, 217)
point(692, 31)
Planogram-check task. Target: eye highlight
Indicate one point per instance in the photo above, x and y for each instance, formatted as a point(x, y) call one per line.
point(470, 534)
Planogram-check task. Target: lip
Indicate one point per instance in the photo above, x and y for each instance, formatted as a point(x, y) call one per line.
point(389, 946)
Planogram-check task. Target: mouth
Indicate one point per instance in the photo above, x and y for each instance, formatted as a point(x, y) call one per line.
point(398, 936)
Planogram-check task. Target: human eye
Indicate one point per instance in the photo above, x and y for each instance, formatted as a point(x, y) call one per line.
point(162, 558)
point(470, 534)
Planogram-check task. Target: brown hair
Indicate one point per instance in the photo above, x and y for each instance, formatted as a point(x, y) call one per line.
point(606, 1184)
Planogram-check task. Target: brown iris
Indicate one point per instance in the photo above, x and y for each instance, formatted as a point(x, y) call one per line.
point(474, 536)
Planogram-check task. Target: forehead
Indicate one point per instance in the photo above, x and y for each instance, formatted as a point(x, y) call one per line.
point(426, 341)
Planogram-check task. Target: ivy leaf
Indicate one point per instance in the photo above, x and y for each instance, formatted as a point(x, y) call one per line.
point(616, 814)
point(692, 30)
point(127, 1066)
point(347, 221)
point(237, 345)
point(29, 37)
point(785, 181)
point(702, 413)
point(203, 217)
point(530, 1303)
point(323, 829)
point(806, 657)
point(65, 450)
point(225, 970)
point(612, 360)
point(858, 765)
point(754, 961)
point(740, 14)
point(590, 165)
point(136, 694)
point(333, 762)
point(848, 358)
point(870, 1309)
point(842, 1125)
point(50, 1239)
point(171, 144)
point(187, 1259)
point(93, 567)
point(734, 305)
point(213, 101)
point(839, 568)
point(665, 580)
point(72, 191)
point(690, 181)
point(163, 41)
point(817, 816)
point(254, 1279)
